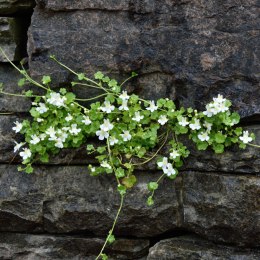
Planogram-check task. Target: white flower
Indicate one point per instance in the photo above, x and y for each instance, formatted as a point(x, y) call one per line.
point(40, 120)
point(42, 136)
point(137, 117)
point(174, 154)
point(102, 134)
point(86, 120)
point(113, 140)
point(246, 138)
point(26, 153)
point(74, 130)
point(219, 99)
point(106, 126)
point(222, 107)
point(207, 125)
point(108, 108)
point(183, 121)
point(35, 139)
point(18, 127)
point(18, 146)
point(59, 143)
point(68, 117)
point(126, 136)
point(56, 99)
point(203, 136)
point(124, 96)
point(124, 106)
point(65, 128)
point(52, 133)
point(105, 164)
point(152, 107)
point(196, 125)
point(163, 163)
point(42, 108)
point(168, 170)
point(162, 120)
point(93, 169)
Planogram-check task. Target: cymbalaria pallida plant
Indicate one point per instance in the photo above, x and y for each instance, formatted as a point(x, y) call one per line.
point(129, 130)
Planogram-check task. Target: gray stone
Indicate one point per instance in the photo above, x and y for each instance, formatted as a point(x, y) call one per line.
point(8, 7)
point(203, 47)
point(36, 247)
point(12, 38)
point(9, 77)
point(68, 200)
point(194, 248)
point(222, 207)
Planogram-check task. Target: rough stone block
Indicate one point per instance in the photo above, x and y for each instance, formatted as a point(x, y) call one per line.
point(222, 207)
point(8, 7)
point(9, 77)
point(202, 52)
point(194, 248)
point(49, 247)
point(12, 35)
point(68, 200)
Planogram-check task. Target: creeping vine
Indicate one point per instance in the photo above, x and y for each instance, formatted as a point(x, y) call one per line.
point(131, 131)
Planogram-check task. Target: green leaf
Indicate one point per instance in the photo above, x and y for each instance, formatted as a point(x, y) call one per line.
point(99, 75)
point(202, 145)
point(220, 138)
point(112, 83)
point(46, 80)
point(129, 182)
point(44, 158)
point(134, 74)
point(104, 257)
point(34, 112)
point(29, 93)
point(101, 149)
point(150, 201)
point(81, 76)
point(121, 189)
point(111, 238)
point(90, 147)
point(218, 148)
point(29, 169)
point(106, 79)
point(120, 172)
point(21, 82)
point(152, 186)
point(63, 91)
point(238, 131)
point(70, 97)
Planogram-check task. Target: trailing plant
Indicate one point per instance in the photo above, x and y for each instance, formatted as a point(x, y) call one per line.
point(130, 131)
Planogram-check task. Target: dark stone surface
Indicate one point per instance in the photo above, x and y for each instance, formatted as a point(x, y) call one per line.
point(38, 247)
point(11, 7)
point(194, 248)
point(66, 199)
point(222, 207)
point(9, 77)
point(198, 48)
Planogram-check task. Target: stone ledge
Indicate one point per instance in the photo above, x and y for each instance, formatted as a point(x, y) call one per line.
point(10, 7)
point(192, 247)
point(54, 247)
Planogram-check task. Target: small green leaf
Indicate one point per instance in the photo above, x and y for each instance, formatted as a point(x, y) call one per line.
point(152, 186)
point(21, 82)
point(29, 169)
point(70, 97)
point(29, 93)
point(220, 138)
point(120, 172)
point(81, 76)
point(63, 91)
point(104, 257)
point(99, 75)
point(111, 238)
point(218, 148)
point(134, 74)
point(90, 147)
point(101, 149)
point(121, 189)
point(46, 80)
point(202, 145)
point(129, 182)
point(150, 201)
point(112, 83)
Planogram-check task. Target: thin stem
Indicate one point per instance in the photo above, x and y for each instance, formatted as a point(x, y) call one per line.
point(23, 72)
point(112, 229)
point(90, 86)
point(159, 179)
point(254, 145)
point(7, 113)
point(17, 95)
point(148, 160)
point(88, 99)
point(72, 71)
point(125, 81)
point(111, 161)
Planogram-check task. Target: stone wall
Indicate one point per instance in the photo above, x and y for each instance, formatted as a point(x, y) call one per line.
point(186, 50)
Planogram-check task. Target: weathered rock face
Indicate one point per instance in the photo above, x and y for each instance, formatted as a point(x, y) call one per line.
point(192, 247)
point(67, 199)
point(11, 7)
point(222, 208)
point(36, 247)
point(196, 49)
